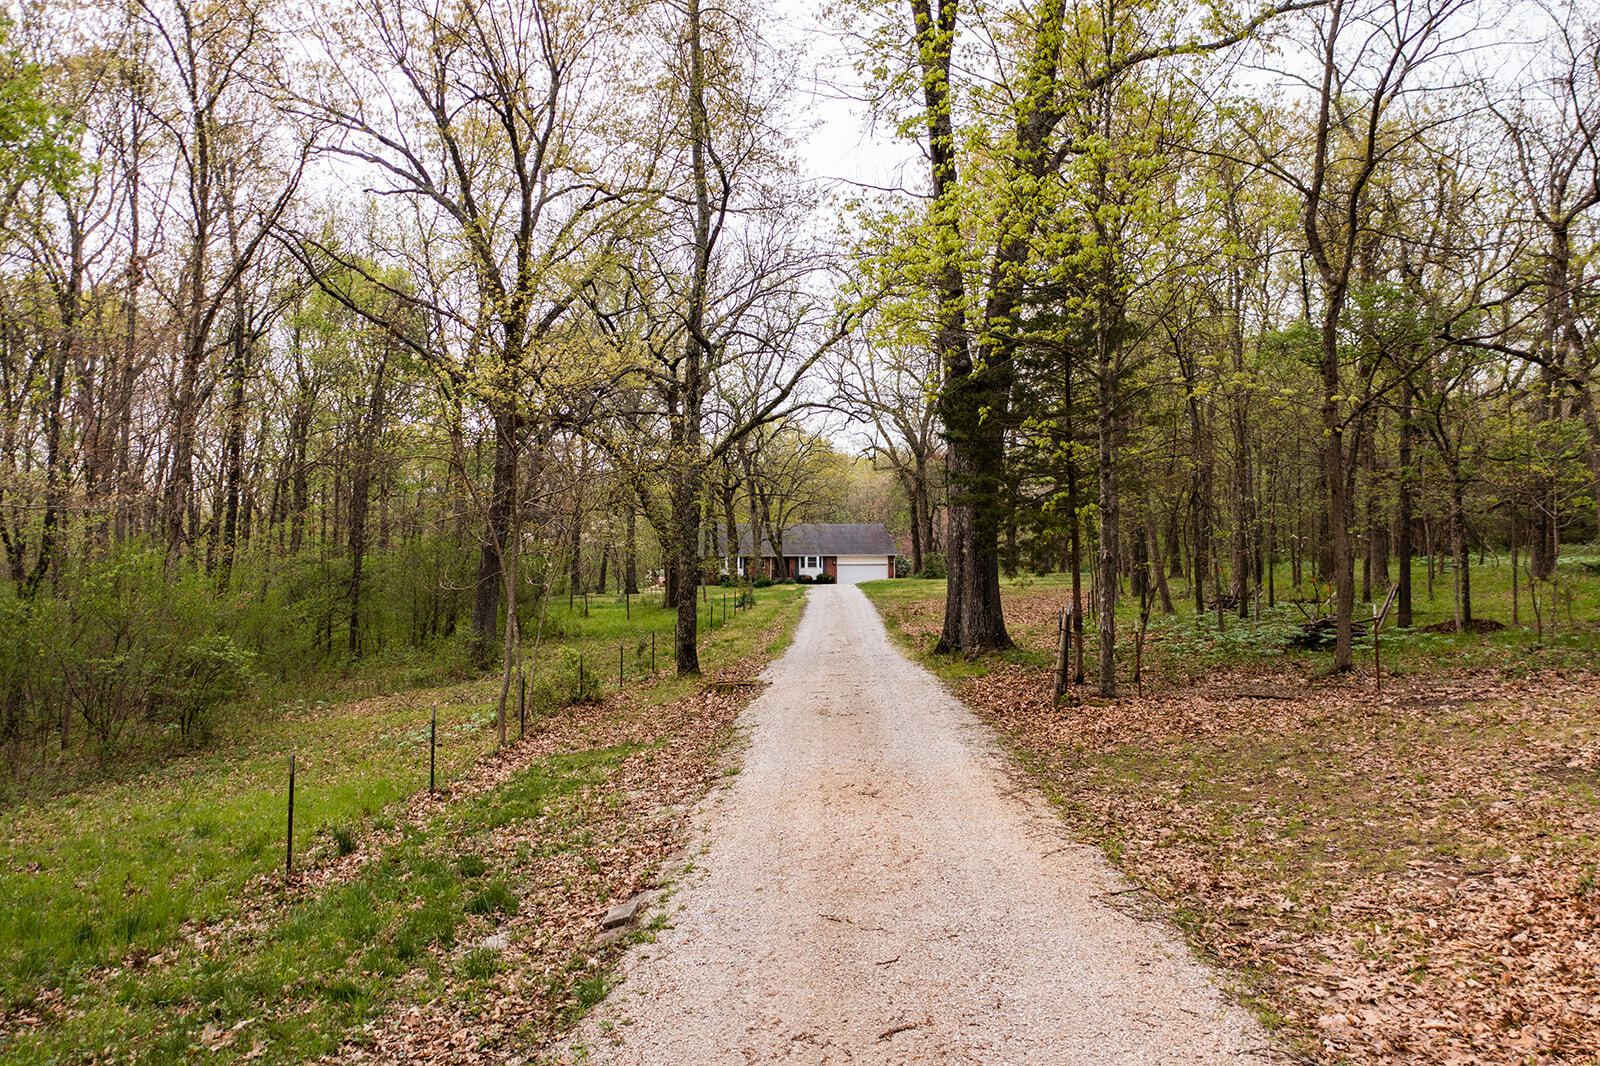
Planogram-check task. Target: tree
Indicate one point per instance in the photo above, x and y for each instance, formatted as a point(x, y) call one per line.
point(1054, 56)
point(1551, 125)
point(229, 147)
point(486, 121)
point(722, 299)
point(1369, 55)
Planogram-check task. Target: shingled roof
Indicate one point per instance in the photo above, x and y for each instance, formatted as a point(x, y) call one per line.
point(824, 538)
point(836, 538)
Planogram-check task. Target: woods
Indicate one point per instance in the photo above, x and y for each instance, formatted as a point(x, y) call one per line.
point(370, 333)
point(1208, 329)
point(479, 414)
point(333, 341)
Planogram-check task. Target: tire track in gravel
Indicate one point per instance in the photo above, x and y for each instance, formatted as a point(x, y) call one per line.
point(877, 889)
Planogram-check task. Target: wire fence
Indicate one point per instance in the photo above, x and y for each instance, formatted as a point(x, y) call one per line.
point(106, 926)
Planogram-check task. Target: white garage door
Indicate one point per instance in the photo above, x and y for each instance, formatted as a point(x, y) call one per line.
point(862, 568)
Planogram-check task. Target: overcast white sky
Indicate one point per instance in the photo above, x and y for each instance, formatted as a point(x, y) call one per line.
point(838, 144)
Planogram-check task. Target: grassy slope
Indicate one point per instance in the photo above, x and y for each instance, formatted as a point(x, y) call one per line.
point(145, 916)
point(1399, 878)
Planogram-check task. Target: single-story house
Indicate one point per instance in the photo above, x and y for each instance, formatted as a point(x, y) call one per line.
point(846, 551)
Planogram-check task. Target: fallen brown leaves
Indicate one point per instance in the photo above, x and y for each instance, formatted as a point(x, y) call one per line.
point(554, 955)
point(1404, 879)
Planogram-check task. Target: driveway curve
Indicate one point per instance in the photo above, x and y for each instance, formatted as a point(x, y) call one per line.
point(877, 888)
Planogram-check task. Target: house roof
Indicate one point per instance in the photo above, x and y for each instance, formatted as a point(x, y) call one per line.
point(823, 538)
point(836, 538)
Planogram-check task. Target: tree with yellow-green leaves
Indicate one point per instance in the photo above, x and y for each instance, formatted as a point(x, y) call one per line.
point(996, 141)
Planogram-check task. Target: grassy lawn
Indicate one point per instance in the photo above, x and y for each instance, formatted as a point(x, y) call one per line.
point(150, 918)
point(1184, 647)
point(1408, 877)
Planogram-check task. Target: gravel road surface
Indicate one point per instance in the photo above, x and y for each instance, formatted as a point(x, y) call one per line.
point(877, 888)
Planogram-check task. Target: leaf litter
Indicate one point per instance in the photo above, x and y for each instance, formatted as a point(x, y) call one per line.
point(1409, 878)
point(555, 961)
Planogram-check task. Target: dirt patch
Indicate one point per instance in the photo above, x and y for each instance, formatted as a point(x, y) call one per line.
point(1477, 625)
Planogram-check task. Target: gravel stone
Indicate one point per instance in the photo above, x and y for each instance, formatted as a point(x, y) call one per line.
point(878, 889)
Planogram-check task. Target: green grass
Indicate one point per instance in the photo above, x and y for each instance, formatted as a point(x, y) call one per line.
point(97, 877)
point(103, 888)
point(321, 966)
point(1184, 646)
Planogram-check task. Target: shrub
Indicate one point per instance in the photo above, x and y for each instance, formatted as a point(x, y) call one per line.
point(804, 579)
point(568, 679)
point(127, 648)
point(933, 566)
point(199, 679)
point(826, 579)
point(764, 582)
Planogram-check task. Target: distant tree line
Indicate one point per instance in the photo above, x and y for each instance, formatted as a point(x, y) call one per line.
point(367, 328)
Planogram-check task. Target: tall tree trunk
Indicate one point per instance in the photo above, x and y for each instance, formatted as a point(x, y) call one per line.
point(689, 474)
point(969, 397)
point(1458, 540)
point(365, 441)
point(61, 358)
point(909, 483)
point(1403, 518)
point(233, 448)
point(1153, 546)
point(1243, 473)
point(630, 561)
point(497, 531)
point(1109, 407)
point(1075, 534)
point(1338, 488)
point(923, 507)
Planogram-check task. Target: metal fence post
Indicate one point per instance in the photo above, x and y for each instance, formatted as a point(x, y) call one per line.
point(288, 850)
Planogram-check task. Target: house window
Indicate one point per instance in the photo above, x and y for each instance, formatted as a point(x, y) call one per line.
point(812, 562)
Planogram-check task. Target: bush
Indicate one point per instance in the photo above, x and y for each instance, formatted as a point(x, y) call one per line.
point(804, 579)
point(127, 648)
point(826, 579)
point(198, 680)
point(764, 582)
point(933, 566)
point(569, 679)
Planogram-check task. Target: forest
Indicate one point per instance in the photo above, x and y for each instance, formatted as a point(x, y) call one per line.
point(362, 332)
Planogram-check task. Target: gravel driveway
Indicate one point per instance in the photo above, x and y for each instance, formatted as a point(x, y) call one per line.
point(876, 888)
